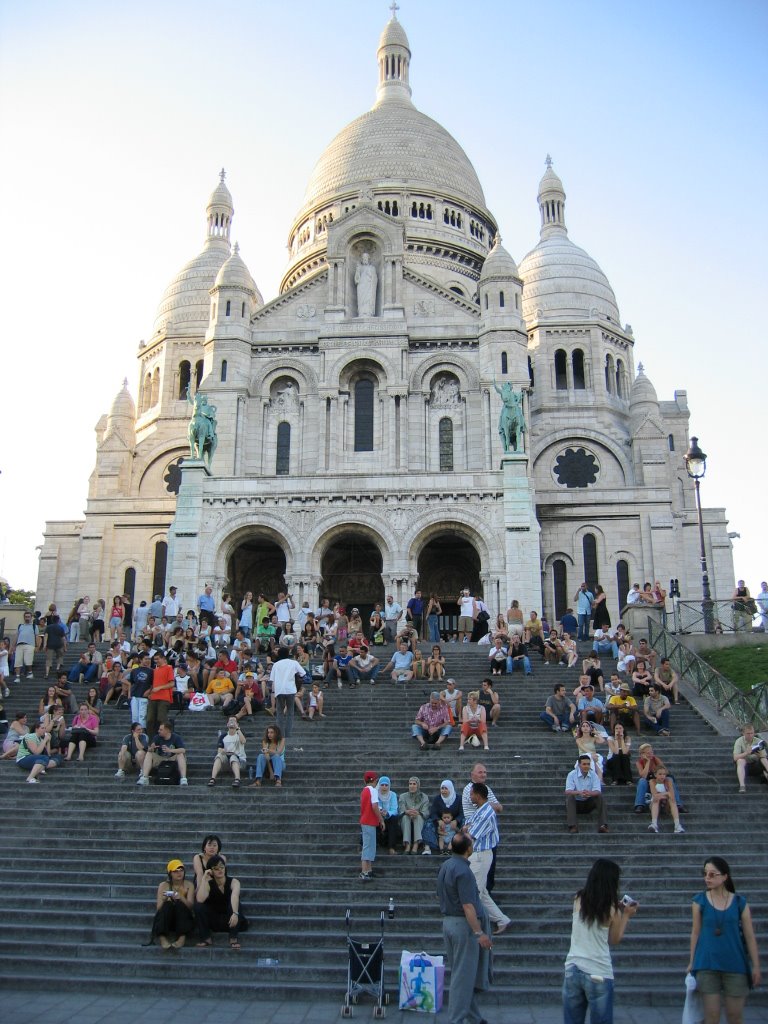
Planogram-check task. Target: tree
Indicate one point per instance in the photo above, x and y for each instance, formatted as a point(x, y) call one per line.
point(25, 597)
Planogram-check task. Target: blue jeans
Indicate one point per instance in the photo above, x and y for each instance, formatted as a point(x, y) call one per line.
point(564, 719)
point(277, 762)
point(418, 731)
point(661, 723)
point(642, 791)
point(581, 991)
point(369, 674)
point(513, 663)
point(432, 627)
point(583, 633)
point(611, 648)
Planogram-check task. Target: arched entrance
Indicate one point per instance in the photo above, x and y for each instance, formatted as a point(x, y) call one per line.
point(446, 564)
point(256, 564)
point(351, 572)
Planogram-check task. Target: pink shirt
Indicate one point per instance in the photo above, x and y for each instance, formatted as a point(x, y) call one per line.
point(89, 722)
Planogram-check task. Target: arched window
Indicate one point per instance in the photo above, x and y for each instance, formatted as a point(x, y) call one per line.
point(129, 583)
point(560, 587)
point(589, 548)
point(185, 371)
point(530, 370)
point(486, 300)
point(501, 300)
point(223, 370)
point(364, 415)
point(242, 310)
point(610, 375)
point(283, 458)
point(561, 374)
point(161, 561)
point(622, 581)
point(155, 387)
point(619, 379)
point(146, 393)
point(198, 372)
point(446, 444)
point(671, 442)
point(228, 310)
point(579, 381)
point(504, 362)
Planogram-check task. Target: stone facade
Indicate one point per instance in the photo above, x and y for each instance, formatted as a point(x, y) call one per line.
point(358, 412)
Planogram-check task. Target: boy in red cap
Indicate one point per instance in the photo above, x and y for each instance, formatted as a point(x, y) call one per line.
point(370, 820)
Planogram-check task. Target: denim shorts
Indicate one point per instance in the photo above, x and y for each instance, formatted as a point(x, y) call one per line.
point(368, 833)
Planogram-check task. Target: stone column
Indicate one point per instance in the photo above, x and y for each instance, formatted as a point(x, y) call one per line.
point(523, 549)
point(185, 536)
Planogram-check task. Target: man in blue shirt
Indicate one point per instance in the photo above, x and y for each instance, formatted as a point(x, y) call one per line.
point(401, 664)
point(464, 931)
point(415, 611)
point(583, 793)
point(340, 668)
point(584, 599)
point(206, 606)
point(569, 622)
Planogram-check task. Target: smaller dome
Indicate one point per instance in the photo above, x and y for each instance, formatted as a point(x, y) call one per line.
point(123, 406)
point(235, 274)
point(498, 263)
point(221, 196)
point(642, 391)
point(394, 35)
point(550, 181)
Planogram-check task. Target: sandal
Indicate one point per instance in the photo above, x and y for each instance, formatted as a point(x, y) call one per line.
point(211, 782)
point(234, 944)
point(254, 784)
point(202, 945)
point(278, 781)
point(236, 783)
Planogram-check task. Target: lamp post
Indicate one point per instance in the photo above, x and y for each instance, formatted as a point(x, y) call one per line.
point(696, 467)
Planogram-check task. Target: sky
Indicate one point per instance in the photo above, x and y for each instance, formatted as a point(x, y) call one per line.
point(115, 121)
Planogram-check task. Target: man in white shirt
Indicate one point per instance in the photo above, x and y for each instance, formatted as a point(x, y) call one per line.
point(171, 604)
point(393, 612)
point(634, 596)
point(583, 793)
point(283, 607)
point(467, 615)
point(283, 680)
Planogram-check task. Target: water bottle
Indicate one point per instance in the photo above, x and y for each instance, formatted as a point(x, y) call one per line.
point(391, 908)
point(267, 961)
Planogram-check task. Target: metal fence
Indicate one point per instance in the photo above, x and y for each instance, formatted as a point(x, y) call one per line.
point(689, 617)
point(742, 708)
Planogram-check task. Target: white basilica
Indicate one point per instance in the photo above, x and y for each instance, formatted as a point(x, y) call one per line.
point(357, 413)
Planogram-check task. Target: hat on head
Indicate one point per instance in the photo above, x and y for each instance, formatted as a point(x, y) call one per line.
point(370, 777)
point(174, 864)
point(624, 686)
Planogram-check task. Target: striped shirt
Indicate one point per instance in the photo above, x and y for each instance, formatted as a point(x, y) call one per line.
point(484, 828)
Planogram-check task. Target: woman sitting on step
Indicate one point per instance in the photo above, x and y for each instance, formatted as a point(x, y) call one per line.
point(210, 847)
point(473, 722)
point(618, 766)
point(85, 729)
point(174, 918)
point(217, 905)
point(272, 757)
point(588, 736)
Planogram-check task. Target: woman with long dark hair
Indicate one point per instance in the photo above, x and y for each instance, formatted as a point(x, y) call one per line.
point(217, 904)
point(724, 955)
point(210, 847)
point(599, 921)
point(600, 614)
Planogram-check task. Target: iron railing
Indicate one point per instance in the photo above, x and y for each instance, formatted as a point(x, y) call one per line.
point(690, 617)
point(742, 708)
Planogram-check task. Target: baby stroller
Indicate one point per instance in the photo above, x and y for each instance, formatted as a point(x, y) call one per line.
point(365, 971)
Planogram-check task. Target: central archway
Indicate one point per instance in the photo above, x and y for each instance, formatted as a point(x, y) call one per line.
point(351, 571)
point(447, 563)
point(256, 564)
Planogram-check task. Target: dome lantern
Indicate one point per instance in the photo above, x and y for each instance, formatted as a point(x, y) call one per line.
point(220, 210)
point(551, 203)
point(394, 57)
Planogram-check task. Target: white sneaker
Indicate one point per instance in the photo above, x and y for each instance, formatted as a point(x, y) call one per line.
point(6, 692)
point(465, 640)
point(653, 828)
point(142, 781)
point(33, 782)
point(17, 679)
point(30, 676)
point(119, 774)
point(339, 684)
point(426, 852)
point(679, 828)
point(183, 782)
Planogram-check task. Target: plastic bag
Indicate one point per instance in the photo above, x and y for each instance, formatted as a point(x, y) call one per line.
point(693, 1009)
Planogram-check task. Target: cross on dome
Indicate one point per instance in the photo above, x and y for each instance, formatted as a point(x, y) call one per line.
point(222, 175)
point(548, 161)
point(394, 7)
point(640, 369)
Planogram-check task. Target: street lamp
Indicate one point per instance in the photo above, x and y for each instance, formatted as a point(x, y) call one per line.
point(696, 467)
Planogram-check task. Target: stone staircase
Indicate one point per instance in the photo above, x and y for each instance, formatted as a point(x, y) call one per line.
point(84, 851)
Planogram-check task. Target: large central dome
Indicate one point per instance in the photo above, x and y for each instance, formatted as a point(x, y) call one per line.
point(410, 168)
point(394, 143)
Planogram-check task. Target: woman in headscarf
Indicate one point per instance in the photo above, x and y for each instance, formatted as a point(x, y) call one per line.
point(388, 805)
point(414, 811)
point(447, 800)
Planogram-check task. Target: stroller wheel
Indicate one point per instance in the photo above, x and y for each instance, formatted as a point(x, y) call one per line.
point(346, 1010)
point(386, 998)
point(379, 1011)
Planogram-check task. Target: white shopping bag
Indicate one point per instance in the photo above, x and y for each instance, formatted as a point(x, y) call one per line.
point(422, 977)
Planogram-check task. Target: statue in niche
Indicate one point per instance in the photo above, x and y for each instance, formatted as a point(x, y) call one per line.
point(286, 398)
point(446, 391)
point(201, 432)
point(511, 418)
point(366, 280)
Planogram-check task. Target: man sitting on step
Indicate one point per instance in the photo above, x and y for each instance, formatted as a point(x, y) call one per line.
point(433, 723)
point(583, 793)
point(166, 747)
point(400, 665)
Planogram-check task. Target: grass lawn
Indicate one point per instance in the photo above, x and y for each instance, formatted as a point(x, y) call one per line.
point(743, 665)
